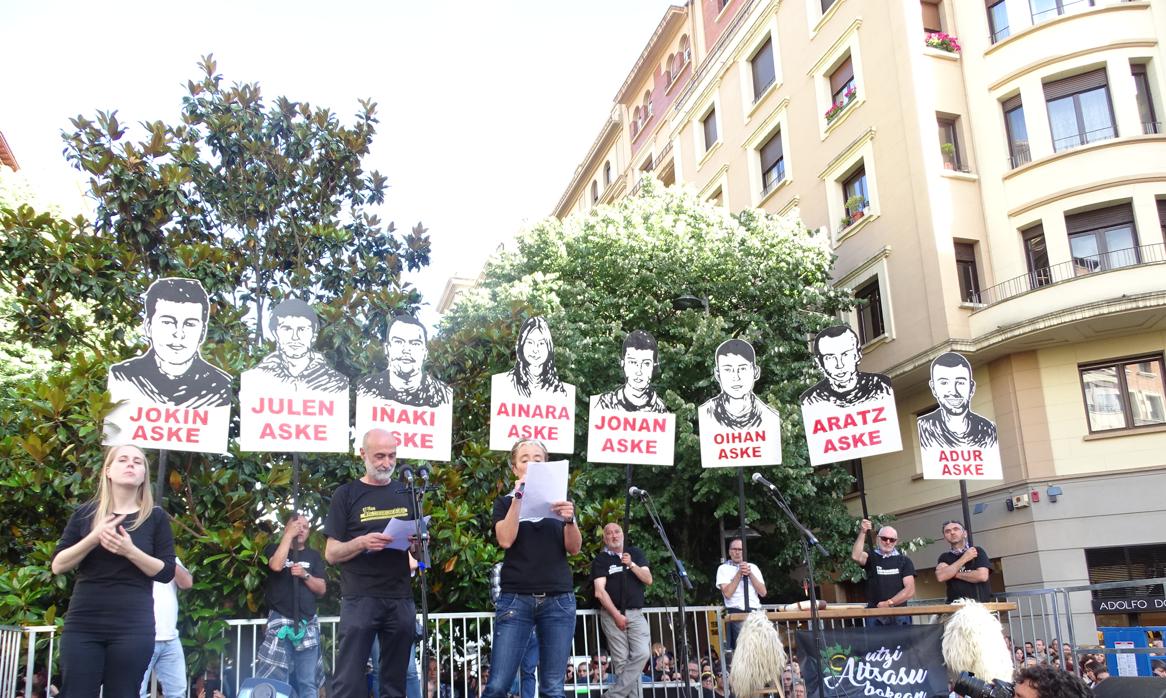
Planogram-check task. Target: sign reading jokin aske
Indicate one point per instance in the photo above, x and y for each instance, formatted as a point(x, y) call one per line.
point(169, 397)
point(405, 399)
point(736, 427)
point(293, 401)
point(630, 424)
point(894, 660)
point(849, 413)
point(957, 443)
point(530, 401)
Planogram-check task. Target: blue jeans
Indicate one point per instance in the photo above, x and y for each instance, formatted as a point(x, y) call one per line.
point(525, 683)
point(169, 664)
point(553, 617)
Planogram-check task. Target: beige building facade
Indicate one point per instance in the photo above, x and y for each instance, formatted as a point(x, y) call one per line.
point(1006, 201)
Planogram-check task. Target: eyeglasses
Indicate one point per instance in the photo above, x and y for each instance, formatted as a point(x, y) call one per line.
point(888, 539)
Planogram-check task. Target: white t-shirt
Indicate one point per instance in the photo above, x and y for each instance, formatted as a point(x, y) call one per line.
point(166, 608)
point(725, 574)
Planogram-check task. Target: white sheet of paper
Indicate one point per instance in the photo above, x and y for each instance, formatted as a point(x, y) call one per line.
point(545, 483)
point(401, 529)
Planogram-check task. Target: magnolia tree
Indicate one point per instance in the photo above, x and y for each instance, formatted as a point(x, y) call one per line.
point(596, 277)
point(255, 199)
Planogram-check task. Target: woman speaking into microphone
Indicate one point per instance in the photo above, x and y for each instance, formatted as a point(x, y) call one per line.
point(536, 589)
point(119, 543)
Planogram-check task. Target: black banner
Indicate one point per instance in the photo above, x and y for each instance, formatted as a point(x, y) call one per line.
point(887, 661)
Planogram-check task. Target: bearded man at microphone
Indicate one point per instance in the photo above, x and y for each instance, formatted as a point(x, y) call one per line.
point(735, 579)
point(620, 573)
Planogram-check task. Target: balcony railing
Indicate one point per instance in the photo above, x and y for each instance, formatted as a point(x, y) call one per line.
point(1020, 154)
point(1064, 7)
point(1151, 127)
point(1079, 139)
point(1067, 271)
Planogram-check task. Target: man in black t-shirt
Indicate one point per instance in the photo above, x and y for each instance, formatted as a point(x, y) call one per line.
point(375, 597)
point(291, 646)
point(890, 575)
point(965, 568)
point(620, 574)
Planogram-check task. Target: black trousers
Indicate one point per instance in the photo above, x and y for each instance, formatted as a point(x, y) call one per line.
point(361, 619)
point(104, 663)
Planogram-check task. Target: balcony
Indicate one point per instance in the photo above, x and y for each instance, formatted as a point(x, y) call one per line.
point(1076, 140)
point(1068, 271)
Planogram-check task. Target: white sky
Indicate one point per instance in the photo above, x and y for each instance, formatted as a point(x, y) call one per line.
point(485, 107)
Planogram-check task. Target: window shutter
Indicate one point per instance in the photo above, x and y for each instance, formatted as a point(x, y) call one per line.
point(1096, 219)
point(1077, 83)
point(841, 75)
point(1162, 212)
point(1011, 103)
point(771, 152)
point(965, 252)
point(930, 16)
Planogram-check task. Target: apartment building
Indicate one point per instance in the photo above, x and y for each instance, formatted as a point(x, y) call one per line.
point(1001, 194)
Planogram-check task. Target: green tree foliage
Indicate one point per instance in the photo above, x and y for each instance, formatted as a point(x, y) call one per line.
point(257, 200)
point(596, 277)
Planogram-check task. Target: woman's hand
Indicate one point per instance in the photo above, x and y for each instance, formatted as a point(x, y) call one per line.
point(117, 541)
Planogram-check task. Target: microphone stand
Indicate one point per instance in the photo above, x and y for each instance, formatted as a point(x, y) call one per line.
point(680, 577)
point(422, 536)
point(808, 541)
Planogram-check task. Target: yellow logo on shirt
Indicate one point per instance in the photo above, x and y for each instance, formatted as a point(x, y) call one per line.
point(374, 514)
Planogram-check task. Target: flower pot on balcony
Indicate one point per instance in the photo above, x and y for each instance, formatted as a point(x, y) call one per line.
point(948, 166)
point(856, 216)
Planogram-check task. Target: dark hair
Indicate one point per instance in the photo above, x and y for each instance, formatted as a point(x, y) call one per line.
point(1051, 682)
point(292, 307)
point(951, 359)
point(520, 374)
point(739, 347)
point(176, 290)
point(639, 339)
point(953, 521)
point(408, 320)
point(831, 332)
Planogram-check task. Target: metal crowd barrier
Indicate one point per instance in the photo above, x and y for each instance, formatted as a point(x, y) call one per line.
point(19, 650)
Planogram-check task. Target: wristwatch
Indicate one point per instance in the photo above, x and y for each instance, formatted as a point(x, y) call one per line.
point(569, 522)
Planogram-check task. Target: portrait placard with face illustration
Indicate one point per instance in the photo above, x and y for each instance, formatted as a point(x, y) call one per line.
point(955, 442)
point(630, 423)
point(737, 429)
point(530, 401)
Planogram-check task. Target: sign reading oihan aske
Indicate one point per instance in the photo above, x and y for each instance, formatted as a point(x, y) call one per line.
point(895, 661)
point(293, 401)
point(630, 424)
point(405, 399)
point(169, 397)
point(530, 401)
point(956, 443)
point(737, 429)
point(849, 413)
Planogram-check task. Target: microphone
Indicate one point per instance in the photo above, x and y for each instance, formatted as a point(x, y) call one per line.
point(637, 492)
point(518, 492)
point(423, 473)
point(757, 479)
point(407, 474)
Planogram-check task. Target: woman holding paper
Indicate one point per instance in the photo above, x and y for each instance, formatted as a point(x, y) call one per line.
point(119, 543)
point(537, 592)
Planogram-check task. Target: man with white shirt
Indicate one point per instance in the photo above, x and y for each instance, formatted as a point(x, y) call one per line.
point(735, 578)
point(169, 661)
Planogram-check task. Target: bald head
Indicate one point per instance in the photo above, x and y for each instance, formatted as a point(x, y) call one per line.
point(379, 452)
point(613, 537)
point(887, 538)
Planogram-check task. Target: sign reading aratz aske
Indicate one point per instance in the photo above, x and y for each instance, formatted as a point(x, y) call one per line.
point(293, 401)
point(630, 424)
point(849, 413)
point(737, 429)
point(405, 399)
point(530, 401)
point(168, 397)
point(955, 442)
point(905, 661)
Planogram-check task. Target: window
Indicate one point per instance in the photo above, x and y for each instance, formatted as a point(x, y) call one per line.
point(685, 50)
point(998, 19)
point(969, 276)
point(855, 194)
point(1018, 151)
point(870, 312)
point(594, 192)
point(772, 162)
point(647, 105)
point(607, 173)
point(763, 71)
point(1162, 215)
point(1124, 394)
point(931, 20)
point(1044, 10)
point(842, 82)
point(637, 121)
point(1037, 256)
point(722, 4)
point(709, 124)
point(1079, 110)
point(1145, 99)
point(717, 197)
point(827, 4)
point(1102, 239)
point(853, 468)
point(949, 143)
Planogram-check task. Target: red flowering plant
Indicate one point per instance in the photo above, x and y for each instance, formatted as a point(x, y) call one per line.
point(942, 41)
point(837, 107)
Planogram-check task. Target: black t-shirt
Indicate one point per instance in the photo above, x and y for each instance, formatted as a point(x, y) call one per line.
point(884, 576)
point(358, 508)
point(618, 577)
point(280, 584)
point(111, 594)
point(537, 562)
point(958, 588)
